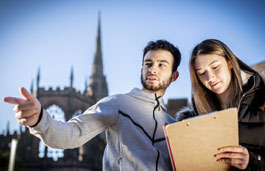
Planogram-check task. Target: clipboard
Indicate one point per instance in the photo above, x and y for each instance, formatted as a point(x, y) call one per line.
point(192, 143)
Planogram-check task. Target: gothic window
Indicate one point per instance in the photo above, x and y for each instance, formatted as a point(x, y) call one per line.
point(57, 113)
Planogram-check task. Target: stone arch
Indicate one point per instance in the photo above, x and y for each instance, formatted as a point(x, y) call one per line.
point(46, 102)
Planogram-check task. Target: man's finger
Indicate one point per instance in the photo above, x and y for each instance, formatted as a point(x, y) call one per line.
point(26, 114)
point(14, 100)
point(30, 121)
point(22, 121)
point(26, 94)
point(25, 106)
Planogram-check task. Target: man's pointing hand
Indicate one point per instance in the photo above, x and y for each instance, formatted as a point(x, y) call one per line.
point(27, 109)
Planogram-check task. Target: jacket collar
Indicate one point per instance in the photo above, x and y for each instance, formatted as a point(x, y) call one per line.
point(245, 76)
point(146, 96)
point(253, 85)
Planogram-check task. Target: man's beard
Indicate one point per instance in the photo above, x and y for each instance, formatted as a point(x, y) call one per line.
point(160, 86)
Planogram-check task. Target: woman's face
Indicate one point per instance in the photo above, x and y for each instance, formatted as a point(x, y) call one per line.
point(214, 72)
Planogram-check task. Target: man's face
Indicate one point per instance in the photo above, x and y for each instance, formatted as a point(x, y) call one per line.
point(156, 74)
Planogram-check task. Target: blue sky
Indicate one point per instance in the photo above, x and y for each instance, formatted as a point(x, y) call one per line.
point(57, 34)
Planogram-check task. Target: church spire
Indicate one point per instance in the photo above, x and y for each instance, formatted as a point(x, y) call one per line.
point(97, 65)
point(98, 85)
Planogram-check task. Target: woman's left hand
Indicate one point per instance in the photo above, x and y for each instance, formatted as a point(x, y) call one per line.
point(236, 156)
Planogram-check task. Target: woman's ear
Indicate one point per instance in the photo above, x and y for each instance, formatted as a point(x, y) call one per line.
point(174, 76)
point(230, 65)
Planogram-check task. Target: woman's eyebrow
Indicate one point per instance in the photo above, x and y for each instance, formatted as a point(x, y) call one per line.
point(208, 64)
point(213, 62)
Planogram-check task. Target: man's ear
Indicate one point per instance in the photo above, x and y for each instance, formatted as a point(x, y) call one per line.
point(174, 76)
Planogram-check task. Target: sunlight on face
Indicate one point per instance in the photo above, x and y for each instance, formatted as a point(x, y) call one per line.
point(214, 72)
point(157, 70)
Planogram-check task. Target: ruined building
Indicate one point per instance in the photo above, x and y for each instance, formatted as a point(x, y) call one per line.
point(62, 105)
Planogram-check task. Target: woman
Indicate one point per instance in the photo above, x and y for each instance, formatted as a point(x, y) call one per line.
point(220, 81)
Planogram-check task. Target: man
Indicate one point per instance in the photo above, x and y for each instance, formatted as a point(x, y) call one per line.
point(133, 122)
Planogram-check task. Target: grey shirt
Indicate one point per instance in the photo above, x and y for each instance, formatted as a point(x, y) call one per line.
point(133, 124)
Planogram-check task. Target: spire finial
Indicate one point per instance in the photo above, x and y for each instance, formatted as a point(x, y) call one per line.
point(72, 76)
point(38, 78)
point(86, 84)
point(32, 86)
point(99, 17)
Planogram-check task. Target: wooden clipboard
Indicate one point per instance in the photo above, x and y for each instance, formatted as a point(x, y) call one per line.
point(192, 143)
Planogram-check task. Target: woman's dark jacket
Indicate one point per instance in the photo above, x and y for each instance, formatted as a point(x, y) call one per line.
point(251, 116)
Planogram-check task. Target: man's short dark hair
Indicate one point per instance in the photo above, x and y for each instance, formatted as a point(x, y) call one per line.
point(164, 45)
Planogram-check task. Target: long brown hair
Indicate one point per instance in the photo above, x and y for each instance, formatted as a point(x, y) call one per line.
point(206, 101)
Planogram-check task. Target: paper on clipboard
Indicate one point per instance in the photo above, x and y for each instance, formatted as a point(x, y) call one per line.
point(192, 143)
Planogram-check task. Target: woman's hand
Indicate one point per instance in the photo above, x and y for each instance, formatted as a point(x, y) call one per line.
point(236, 156)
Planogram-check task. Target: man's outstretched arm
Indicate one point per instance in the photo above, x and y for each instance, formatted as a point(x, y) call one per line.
point(64, 135)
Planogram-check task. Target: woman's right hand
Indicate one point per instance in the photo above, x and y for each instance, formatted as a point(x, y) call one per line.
point(236, 156)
